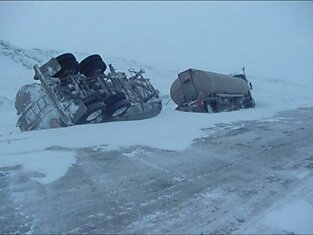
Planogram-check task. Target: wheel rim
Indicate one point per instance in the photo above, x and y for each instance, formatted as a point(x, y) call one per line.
point(93, 116)
point(119, 112)
point(209, 108)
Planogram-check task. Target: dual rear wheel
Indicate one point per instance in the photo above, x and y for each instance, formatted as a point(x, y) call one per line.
point(69, 65)
point(92, 65)
point(98, 109)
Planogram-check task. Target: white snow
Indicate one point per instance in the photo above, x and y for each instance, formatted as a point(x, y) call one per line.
point(272, 40)
point(293, 215)
point(52, 164)
point(296, 217)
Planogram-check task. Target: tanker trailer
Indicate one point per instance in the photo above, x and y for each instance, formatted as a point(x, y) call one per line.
point(201, 91)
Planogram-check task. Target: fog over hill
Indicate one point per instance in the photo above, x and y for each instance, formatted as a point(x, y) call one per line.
point(271, 39)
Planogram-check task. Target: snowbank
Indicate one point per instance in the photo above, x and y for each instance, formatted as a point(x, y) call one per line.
point(171, 130)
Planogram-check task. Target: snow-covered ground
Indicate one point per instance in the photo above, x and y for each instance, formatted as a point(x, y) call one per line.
point(271, 94)
point(169, 131)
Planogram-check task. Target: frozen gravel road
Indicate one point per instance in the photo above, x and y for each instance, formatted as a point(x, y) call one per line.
point(225, 183)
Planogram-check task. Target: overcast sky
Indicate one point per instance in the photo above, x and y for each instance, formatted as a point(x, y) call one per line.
point(272, 39)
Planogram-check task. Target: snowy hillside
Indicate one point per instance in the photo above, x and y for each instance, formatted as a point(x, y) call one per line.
point(271, 94)
point(50, 153)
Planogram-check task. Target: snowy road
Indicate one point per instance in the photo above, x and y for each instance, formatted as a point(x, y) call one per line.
point(245, 177)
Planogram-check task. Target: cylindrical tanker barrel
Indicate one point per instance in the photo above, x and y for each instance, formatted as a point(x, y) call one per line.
point(27, 95)
point(193, 84)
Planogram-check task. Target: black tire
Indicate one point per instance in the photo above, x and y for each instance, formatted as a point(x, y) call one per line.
point(115, 98)
point(95, 113)
point(92, 63)
point(89, 60)
point(217, 106)
point(97, 67)
point(68, 63)
point(92, 99)
point(248, 103)
point(65, 56)
point(118, 109)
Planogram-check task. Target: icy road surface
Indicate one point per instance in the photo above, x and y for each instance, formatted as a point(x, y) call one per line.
point(245, 177)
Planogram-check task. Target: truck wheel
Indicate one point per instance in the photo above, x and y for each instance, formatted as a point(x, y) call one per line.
point(92, 99)
point(115, 98)
point(217, 106)
point(98, 67)
point(89, 60)
point(65, 56)
point(117, 105)
point(68, 63)
point(118, 109)
point(248, 103)
point(208, 108)
point(252, 103)
point(92, 64)
point(94, 114)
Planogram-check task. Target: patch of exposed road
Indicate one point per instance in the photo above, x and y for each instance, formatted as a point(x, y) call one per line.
point(220, 184)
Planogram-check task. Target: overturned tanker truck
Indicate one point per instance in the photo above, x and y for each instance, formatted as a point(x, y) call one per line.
point(201, 91)
point(72, 93)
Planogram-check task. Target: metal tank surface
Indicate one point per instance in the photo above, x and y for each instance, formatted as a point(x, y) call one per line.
point(35, 109)
point(203, 91)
